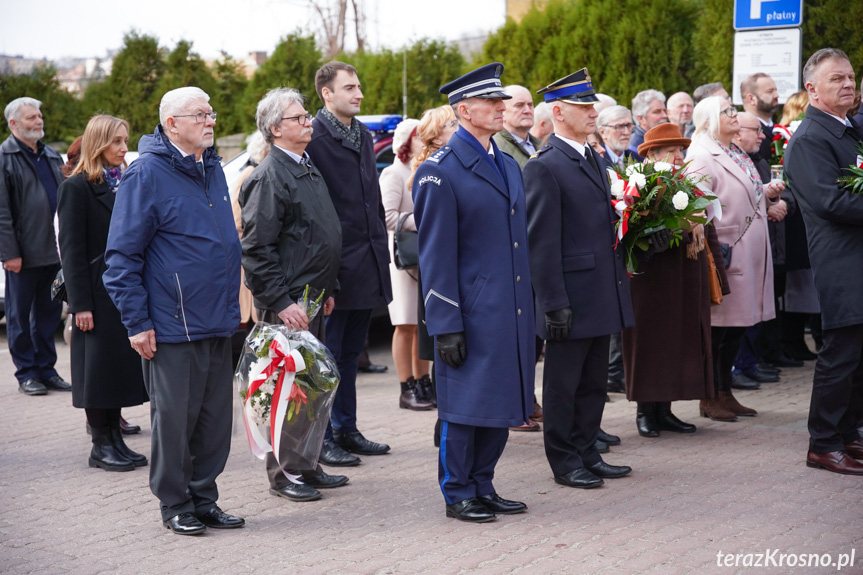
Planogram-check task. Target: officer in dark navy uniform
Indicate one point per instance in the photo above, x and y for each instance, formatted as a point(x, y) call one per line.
point(470, 212)
point(582, 290)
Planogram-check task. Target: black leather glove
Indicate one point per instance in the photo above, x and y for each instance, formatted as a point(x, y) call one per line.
point(659, 241)
point(452, 349)
point(558, 323)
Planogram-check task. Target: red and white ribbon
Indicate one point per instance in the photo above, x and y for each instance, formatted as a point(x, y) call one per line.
point(287, 363)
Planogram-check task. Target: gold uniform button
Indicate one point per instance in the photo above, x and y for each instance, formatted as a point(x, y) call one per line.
point(512, 212)
point(517, 278)
point(515, 245)
point(519, 312)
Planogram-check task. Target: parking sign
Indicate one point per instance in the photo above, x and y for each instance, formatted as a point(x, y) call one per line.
point(755, 14)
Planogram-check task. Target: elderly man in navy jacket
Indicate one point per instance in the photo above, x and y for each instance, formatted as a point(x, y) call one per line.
point(470, 214)
point(822, 149)
point(343, 151)
point(173, 260)
point(582, 291)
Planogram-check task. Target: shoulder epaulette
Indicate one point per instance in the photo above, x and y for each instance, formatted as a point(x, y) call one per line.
point(439, 155)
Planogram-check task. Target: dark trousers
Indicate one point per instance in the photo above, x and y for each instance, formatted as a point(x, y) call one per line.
point(769, 341)
point(191, 399)
point(32, 317)
point(615, 359)
point(573, 397)
point(274, 471)
point(468, 456)
point(346, 337)
point(747, 354)
point(836, 408)
point(726, 345)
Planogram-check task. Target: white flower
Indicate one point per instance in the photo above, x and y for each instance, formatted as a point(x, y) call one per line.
point(638, 179)
point(680, 200)
point(617, 188)
point(632, 169)
point(792, 126)
point(620, 206)
point(662, 167)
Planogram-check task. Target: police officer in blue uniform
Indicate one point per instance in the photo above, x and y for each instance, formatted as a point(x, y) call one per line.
point(582, 290)
point(470, 212)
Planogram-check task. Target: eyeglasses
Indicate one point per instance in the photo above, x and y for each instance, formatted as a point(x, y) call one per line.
point(731, 111)
point(750, 128)
point(301, 119)
point(451, 124)
point(200, 117)
point(622, 127)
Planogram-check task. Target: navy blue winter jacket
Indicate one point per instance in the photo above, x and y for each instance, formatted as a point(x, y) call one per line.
point(173, 254)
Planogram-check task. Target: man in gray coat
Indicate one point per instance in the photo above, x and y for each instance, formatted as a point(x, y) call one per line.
point(291, 238)
point(822, 149)
point(515, 138)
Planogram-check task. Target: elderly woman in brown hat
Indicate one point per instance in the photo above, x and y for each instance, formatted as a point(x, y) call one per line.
point(667, 354)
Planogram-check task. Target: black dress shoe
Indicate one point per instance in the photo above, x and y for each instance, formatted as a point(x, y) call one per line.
point(497, 504)
point(802, 353)
point(767, 368)
point(354, 442)
point(606, 471)
point(670, 422)
point(607, 438)
point(332, 454)
point(127, 428)
point(616, 387)
point(323, 480)
point(740, 381)
point(185, 524)
point(601, 446)
point(32, 387)
point(372, 368)
point(756, 374)
point(56, 383)
point(580, 478)
point(218, 519)
point(297, 492)
point(784, 361)
point(646, 425)
point(470, 510)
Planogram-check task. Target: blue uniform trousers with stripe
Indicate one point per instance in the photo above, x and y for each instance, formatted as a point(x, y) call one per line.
point(468, 456)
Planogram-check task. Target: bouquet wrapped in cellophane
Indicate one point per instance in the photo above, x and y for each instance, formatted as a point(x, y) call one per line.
point(653, 196)
point(287, 381)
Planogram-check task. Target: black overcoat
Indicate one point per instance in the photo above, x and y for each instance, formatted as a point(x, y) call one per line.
point(352, 180)
point(106, 371)
point(573, 262)
point(816, 157)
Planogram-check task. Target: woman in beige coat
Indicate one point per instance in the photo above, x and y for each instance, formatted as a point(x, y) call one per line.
point(398, 205)
point(732, 177)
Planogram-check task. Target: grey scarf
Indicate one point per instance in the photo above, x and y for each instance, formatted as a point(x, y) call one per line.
point(353, 134)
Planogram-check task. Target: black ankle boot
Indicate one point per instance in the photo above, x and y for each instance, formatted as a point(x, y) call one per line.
point(645, 419)
point(437, 430)
point(137, 459)
point(411, 398)
point(104, 454)
point(426, 386)
point(669, 422)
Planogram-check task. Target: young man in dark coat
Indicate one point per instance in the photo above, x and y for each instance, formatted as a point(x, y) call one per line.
point(582, 291)
point(29, 177)
point(343, 151)
point(821, 150)
point(291, 239)
point(470, 215)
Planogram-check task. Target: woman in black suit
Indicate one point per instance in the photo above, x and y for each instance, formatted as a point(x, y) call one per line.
point(106, 372)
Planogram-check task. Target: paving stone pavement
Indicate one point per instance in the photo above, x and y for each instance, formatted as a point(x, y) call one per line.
point(739, 488)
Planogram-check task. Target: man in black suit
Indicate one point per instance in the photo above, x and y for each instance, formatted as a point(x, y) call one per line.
point(821, 149)
point(582, 291)
point(761, 98)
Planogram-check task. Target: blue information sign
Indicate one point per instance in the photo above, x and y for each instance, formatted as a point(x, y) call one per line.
point(751, 14)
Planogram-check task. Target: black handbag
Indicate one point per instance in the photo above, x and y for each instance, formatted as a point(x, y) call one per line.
point(58, 287)
point(405, 246)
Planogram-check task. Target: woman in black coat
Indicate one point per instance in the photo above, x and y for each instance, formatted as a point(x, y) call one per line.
point(106, 372)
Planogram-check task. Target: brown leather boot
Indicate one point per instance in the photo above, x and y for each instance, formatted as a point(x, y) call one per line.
point(730, 403)
point(713, 409)
point(411, 398)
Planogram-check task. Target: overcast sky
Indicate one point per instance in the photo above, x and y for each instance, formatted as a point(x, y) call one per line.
point(81, 28)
